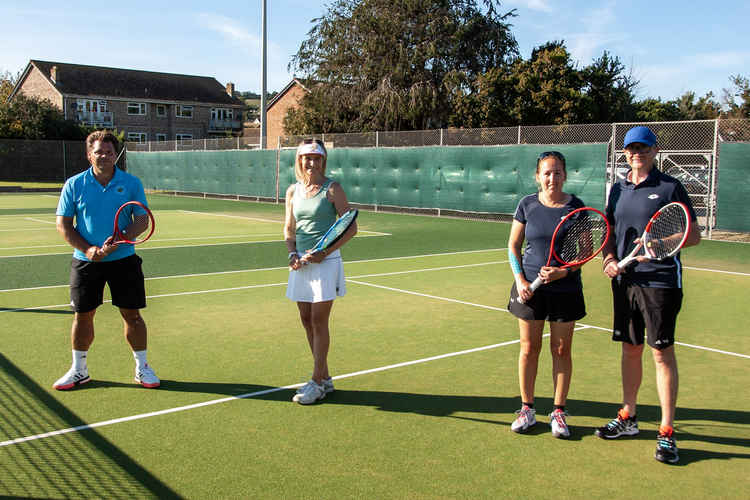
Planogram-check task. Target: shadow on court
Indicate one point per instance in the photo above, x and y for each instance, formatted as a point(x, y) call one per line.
point(77, 465)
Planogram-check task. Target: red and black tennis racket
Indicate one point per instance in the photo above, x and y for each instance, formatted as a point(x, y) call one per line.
point(578, 238)
point(141, 225)
point(664, 236)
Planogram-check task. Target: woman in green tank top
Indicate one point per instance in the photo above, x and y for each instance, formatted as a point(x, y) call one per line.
point(315, 279)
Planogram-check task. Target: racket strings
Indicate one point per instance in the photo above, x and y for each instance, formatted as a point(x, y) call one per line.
point(667, 232)
point(583, 238)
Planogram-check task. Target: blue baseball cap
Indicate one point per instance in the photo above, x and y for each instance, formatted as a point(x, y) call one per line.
point(639, 134)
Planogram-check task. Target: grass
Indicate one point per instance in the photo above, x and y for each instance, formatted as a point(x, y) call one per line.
point(221, 328)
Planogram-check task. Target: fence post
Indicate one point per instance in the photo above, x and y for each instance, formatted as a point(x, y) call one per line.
point(278, 165)
point(712, 181)
point(65, 177)
point(441, 137)
point(377, 139)
point(519, 135)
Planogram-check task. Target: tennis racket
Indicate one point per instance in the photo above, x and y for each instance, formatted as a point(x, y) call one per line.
point(664, 236)
point(125, 216)
point(335, 232)
point(577, 239)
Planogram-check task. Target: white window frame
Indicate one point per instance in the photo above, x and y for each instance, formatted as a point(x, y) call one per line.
point(161, 110)
point(137, 137)
point(228, 114)
point(183, 111)
point(142, 108)
point(161, 137)
point(183, 137)
point(91, 106)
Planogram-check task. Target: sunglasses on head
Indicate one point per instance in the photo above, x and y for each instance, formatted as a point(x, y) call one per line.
point(547, 154)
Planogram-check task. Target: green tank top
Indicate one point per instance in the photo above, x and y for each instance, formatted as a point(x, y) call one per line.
point(313, 216)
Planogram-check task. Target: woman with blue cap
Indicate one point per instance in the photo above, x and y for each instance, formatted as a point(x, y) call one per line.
point(648, 294)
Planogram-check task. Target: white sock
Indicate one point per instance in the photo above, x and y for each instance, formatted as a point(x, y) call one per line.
point(140, 358)
point(79, 360)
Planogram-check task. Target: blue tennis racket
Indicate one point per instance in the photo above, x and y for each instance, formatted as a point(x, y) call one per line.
point(336, 231)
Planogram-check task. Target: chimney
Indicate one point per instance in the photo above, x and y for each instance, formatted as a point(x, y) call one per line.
point(54, 75)
point(230, 89)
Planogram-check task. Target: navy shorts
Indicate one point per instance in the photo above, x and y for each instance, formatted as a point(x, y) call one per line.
point(651, 309)
point(561, 307)
point(124, 277)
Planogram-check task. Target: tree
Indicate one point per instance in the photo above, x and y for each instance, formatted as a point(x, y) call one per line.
point(34, 118)
point(705, 108)
point(608, 90)
point(548, 87)
point(7, 83)
point(389, 65)
point(737, 99)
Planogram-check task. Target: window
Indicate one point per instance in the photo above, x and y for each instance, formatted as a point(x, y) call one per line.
point(183, 111)
point(137, 108)
point(183, 137)
point(161, 137)
point(137, 137)
point(90, 106)
point(221, 113)
point(161, 110)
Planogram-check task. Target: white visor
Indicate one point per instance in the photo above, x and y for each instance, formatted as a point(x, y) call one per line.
point(311, 149)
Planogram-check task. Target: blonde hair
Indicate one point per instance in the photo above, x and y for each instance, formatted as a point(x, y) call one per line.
point(299, 172)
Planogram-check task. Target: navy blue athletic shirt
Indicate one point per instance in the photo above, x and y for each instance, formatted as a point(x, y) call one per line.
point(539, 225)
point(629, 209)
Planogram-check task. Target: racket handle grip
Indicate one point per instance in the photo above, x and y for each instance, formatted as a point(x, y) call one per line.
point(536, 284)
point(624, 262)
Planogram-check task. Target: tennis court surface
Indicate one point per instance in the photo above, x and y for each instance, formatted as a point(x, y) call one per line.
point(423, 353)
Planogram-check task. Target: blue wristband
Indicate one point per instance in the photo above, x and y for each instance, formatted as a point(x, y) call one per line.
point(514, 264)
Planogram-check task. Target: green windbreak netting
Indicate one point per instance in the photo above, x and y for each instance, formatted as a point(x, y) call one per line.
point(474, 179)
point(733, 187)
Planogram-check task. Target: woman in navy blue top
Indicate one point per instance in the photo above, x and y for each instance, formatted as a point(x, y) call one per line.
point(560, 298)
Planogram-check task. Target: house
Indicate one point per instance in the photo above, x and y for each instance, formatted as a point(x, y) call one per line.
point(146, 105)
point(289, 97)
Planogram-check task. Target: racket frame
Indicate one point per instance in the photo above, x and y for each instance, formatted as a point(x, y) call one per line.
point(319, 246)
point(565, 265)
point(117, 236)
point(644, 240)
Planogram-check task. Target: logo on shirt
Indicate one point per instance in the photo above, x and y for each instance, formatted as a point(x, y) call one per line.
point(653, 196)
point(120, 189)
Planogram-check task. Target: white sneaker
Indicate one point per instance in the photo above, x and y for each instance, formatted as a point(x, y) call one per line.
point(146, 377)
point(558, 424)
point(525, 419)
point(327, 385)
point(311, 392)
point(71, 379)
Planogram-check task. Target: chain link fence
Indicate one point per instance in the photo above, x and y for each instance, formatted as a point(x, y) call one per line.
point(689, 150)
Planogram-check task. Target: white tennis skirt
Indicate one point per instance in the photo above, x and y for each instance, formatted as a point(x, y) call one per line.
point(318, 282)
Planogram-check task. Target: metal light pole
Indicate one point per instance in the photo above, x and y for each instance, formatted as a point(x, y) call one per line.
point(263, 127)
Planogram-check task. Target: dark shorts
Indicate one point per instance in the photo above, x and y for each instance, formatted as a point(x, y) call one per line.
point(124, 277)
point(550, 306)
point(652, 309)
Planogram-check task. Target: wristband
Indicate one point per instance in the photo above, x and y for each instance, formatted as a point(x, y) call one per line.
point(292, 254)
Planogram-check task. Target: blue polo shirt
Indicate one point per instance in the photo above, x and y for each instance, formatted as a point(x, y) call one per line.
point(540, 222)
point(94, 207)
point(629, 209)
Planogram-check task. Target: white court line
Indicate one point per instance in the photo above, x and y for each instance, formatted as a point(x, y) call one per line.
point(715, 271)
point(258, 219)
point(353, 374)
point(40, 220)
point(269, 269)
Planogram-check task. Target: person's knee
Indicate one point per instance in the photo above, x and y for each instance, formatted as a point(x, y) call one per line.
point(664, 356)
point(132, 317)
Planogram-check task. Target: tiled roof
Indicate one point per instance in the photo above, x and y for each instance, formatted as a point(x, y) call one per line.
point(134, 84)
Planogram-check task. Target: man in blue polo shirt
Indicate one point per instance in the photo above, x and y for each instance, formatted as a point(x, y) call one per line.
point(647, 295)
point(85, 215)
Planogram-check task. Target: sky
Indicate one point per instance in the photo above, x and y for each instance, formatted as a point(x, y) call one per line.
point(668, 45)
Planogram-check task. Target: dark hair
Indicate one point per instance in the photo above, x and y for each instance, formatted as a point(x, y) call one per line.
point(102, 136)
point(554, 154)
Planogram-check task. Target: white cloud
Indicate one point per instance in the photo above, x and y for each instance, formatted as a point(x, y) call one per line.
point(538, 5)
point(230, 30)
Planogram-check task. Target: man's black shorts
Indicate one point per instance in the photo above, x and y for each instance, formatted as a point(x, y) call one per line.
point(652, 309)
point(549, 306)
point(124, 277)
